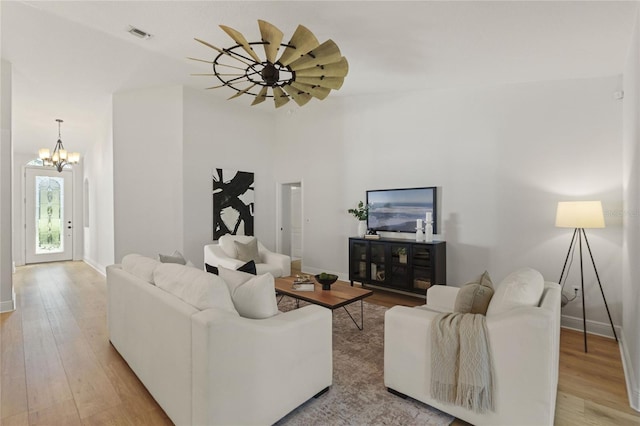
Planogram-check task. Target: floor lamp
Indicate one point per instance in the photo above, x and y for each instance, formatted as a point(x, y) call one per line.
point(580, 215)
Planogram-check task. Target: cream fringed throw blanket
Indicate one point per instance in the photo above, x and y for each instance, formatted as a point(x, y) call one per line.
point(461, 366)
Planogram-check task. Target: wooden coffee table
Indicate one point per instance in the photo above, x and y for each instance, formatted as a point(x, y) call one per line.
point(340, 295)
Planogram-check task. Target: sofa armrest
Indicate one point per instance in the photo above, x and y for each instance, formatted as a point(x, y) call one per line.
point(442, 297)
point(215, 256)
point(280, 260)
point(271, 365)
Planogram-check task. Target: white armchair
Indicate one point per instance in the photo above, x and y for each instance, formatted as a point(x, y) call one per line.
point(224, 254)
point(524, 344)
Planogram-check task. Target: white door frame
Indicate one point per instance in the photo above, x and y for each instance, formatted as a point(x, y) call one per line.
point(279, 213)
point(67, 228)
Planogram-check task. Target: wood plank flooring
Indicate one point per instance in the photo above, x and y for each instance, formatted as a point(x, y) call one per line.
point(58, 368)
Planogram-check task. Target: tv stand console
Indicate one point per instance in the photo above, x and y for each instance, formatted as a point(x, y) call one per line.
point(399, 264)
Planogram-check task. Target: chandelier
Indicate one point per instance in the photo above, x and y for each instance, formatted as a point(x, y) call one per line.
point(306, 69)
point(60, 157)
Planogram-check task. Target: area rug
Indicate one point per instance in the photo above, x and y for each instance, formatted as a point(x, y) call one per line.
point(358, 395)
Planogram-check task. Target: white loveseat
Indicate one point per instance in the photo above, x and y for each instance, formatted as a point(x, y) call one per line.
point(225, 254)
point(212, 366)
point(524, 343)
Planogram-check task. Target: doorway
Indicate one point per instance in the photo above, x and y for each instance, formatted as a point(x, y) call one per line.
point(290, 222)
point(48, 215)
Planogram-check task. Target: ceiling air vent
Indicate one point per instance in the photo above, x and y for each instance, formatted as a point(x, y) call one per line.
point(138, 32)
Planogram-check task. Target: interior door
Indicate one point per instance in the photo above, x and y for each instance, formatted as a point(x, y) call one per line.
point(49, 220)
point(296, 222)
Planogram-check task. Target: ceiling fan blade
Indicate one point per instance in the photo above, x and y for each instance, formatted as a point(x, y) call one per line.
point(316, 92)
point(329, 82)
point(279, 97)
point(272, 36)
point(221, 51)
point(262, 96)
point(335, 69)
point(216, 87)
point(327, 53)
point(239, 38)
point(242, 92)
point(200, 60)
point(302, 42)
point(301, 98)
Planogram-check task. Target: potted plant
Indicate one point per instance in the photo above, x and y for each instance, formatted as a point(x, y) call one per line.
point(402, 255)
point(361, 213)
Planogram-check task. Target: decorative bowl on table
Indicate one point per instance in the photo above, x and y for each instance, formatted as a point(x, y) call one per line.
point(326, 280)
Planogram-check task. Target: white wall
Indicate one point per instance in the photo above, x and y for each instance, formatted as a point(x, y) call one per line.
point(167, 142)
point(631, 219)
point(228, 135)
point(501, 156)
point(147, 171)
point(97, 184)
point(7, 302)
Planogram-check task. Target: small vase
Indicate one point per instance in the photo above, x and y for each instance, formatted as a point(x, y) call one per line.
point(428, 232)
point(362, 228)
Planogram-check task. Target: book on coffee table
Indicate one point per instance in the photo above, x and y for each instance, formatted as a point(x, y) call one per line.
point(303, 286)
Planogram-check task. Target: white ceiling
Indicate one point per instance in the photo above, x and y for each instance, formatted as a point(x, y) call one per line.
point(69, 56)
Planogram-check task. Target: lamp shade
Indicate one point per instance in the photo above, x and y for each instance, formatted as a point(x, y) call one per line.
point(579, 214)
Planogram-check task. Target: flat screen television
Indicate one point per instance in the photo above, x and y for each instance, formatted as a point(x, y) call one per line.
point(396, 210)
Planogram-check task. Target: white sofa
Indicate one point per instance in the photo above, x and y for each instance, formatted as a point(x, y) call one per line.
point(212, 366)
point(524, 343)
point(225, 254)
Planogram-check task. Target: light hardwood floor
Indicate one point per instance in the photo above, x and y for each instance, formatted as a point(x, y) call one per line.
point(58, 368)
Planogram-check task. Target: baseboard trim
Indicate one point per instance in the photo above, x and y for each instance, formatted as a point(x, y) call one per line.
point(629, 375)
point(9, 305)
point(95, 265)
point(593, 327)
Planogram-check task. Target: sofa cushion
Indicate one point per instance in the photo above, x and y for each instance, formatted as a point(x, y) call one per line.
point(248, 251)
point(198, 288)
point(523, 287)
point(140, 266)
point(474, 296)
point(254, 296)
point(267, 268)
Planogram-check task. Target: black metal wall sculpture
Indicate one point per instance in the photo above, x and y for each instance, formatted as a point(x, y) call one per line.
point(233, 203)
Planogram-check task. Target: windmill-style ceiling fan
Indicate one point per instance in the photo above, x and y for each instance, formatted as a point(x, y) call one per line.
point(306, 69)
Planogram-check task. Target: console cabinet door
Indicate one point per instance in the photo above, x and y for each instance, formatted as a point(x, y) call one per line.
point(359, 259)
point(421, 259)
point(399, 265)
point(378, 266)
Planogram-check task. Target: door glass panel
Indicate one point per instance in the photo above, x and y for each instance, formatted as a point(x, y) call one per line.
point(49, 214)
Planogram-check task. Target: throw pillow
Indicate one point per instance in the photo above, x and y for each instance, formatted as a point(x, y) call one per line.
point(176, 257)
point(194, 286)
point(140, 266)
point(523, 287)
point(253, 296)
point(474, 296)
point(249, 268)
point(248, 251)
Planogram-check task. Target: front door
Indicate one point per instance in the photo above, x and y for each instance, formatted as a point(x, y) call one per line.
point(49, 220)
